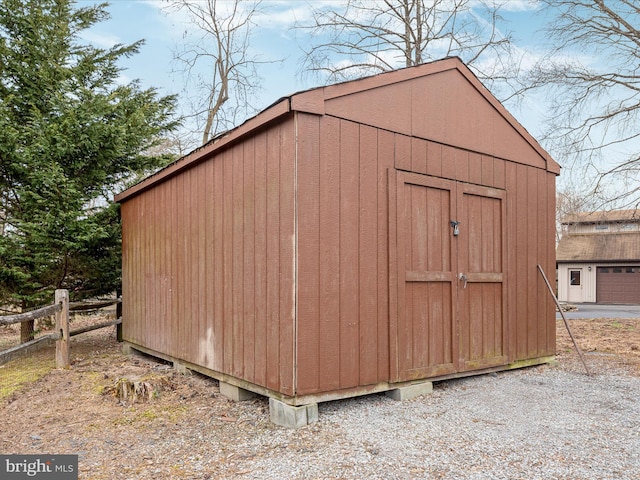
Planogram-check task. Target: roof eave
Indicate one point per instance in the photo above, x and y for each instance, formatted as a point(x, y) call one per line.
point(624, 260)
point(274, 112)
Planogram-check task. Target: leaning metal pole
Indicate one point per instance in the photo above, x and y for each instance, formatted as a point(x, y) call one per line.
point(566, 324)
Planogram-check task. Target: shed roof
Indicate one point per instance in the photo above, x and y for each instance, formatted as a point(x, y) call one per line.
point(446, 104)
point(603, 217)
point(610, 247)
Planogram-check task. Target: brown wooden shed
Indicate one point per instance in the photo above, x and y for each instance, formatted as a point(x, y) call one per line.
point(349, 239)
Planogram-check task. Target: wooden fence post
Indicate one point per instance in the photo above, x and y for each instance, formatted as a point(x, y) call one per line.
point(119, 314)
point(62, 327)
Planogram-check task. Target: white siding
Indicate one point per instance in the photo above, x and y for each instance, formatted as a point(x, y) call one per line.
point(588, 281)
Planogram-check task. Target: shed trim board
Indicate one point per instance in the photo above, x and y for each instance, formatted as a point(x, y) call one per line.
point(348, 239)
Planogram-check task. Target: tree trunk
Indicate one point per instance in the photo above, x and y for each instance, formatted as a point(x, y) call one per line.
point(27, 328)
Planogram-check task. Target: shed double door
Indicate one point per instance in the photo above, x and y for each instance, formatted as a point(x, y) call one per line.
point(448, 243)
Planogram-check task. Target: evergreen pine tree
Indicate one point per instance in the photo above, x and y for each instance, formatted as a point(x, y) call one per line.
point(70, 135)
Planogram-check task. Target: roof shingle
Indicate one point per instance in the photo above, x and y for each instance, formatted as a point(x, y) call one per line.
point(609, 247)
point(603, 216)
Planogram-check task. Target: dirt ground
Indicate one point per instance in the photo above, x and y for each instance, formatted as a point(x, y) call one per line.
point(617, 339)
point(82, 410)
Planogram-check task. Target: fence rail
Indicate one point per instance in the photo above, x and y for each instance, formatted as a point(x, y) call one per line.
point(32, 315)
point(60, 308)
point(24, 348)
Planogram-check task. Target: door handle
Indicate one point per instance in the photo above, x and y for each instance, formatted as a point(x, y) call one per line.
point(463, 277)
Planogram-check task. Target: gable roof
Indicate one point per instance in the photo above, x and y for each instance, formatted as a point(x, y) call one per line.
point(441, 101)
point(610, 247)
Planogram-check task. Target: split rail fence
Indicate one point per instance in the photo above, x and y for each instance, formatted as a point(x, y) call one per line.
point(60, 308)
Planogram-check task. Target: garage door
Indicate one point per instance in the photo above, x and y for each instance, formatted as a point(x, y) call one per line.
point(618, 284)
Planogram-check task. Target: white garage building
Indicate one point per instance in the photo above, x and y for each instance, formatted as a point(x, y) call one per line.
point(598, 258)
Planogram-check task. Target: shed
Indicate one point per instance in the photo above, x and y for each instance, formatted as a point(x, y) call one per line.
point(349, 239)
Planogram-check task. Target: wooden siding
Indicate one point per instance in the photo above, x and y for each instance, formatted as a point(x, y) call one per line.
point(343, 332)
point(420, 109)
point(209, 262)
point(280, 256)
point(530, 240)
point(346, 221)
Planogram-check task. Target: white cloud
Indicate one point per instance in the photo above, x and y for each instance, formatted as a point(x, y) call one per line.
point(519, 5)
point(102, 40)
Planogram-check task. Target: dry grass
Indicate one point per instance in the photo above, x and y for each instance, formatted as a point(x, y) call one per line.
point(22, 371)
point(132, 417)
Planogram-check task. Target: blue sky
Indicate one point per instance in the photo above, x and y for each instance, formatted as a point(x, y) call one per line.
point(162, 31)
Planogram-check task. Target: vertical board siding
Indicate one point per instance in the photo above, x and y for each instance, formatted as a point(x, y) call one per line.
point(367, 255)
point(435, 161)
point(238, 240)
point(528, 320)
point(349, 227)
point(521, 270)
point(260, 255)
point(272, 266)
point(343, 220)
point(207, 344)
point(550, 222)
point(329, 232)
point(248, 260)
point(530, 240)
point(385, 162)
point(343, 333)
point(209, 263)
point(532, 258)
point(270, 262)
point(308, 204)
point(203, 349)
point(287, 234)
point(227, 266)
point(546, 242)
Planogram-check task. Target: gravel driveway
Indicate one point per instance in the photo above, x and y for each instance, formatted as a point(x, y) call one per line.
point(540, 423)
point(545, 422)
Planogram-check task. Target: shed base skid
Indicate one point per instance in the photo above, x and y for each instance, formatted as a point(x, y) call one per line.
point(292, 417)
point(410, 391)
point(235, 393)
point(292, 411)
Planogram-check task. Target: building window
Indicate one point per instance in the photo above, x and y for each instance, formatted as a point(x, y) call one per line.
point(604, 270)
point(631, 270)
point(600, 226)
point(617, 270)
point(575, 277)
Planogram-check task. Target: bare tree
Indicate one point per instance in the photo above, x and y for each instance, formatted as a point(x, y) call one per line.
point(569, 201)
point(591, 77)
point(217, 61)
point(361, 37)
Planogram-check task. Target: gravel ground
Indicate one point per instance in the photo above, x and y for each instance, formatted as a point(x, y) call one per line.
point(541, 423)
point(545, 422)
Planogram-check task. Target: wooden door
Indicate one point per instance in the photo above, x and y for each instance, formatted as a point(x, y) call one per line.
point(481, 289)
point(575, 285)
point(447, 293)
point(424, 330)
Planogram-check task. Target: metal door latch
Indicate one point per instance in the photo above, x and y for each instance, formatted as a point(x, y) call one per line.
point(463, 277)
point(456, 230)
